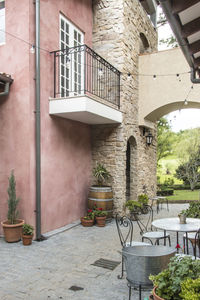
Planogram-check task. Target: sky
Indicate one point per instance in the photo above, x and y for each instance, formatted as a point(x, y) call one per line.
point(185, 118)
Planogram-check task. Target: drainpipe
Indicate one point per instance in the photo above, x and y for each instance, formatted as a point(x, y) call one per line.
point(37, 110)
point(193, 76)
point(6, 89)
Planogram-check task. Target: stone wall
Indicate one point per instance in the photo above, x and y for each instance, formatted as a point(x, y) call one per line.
point(117, 26)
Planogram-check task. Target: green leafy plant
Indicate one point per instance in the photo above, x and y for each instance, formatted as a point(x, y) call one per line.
point(183, 213)
point(27, 229)
point(133, 206)
point(101, 174)
point(190, 289)
point(193, 210)
point(12, 200)
point(168, 282)
point(143, 199)
point(99, 212)
point(90, 215)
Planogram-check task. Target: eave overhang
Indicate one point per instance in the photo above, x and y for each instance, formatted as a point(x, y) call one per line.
point(184, 19)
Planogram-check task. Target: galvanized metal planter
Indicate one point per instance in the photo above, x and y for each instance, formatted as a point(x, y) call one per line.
point(141, 261)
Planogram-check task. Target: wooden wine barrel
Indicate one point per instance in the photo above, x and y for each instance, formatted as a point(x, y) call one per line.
point(102, 197)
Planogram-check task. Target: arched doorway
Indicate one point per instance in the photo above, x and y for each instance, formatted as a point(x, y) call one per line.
point(131, 178)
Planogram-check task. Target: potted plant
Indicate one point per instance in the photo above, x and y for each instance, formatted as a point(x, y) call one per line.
point(12, 226)
point(190, 289)
point(182, 217)
point(100, 216)
point(88, 220)
point(27, 234)
point(134, 208)
point(167, 284)
point(143, 200)
point(101, 194)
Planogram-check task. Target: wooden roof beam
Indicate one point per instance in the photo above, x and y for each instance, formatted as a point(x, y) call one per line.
point(180, 5)
point(197, 62)
point(190, 28)
point(194, 47)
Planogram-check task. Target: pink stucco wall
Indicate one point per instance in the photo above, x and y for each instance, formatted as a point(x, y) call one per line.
point(65, 145)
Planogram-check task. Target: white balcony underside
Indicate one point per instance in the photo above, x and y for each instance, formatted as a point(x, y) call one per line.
point(84, 109)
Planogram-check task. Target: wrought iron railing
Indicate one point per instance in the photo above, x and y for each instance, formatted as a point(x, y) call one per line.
point(81, 71)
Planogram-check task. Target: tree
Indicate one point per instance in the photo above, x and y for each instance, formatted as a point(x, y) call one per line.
point(164, 139)
point(171, 41)
point(189, 172)
point(189, 154)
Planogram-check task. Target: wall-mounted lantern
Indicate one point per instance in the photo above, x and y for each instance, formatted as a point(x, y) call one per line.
point(149, 136)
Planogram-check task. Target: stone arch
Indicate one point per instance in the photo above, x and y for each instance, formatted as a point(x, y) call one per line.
point(144, 44)
point(131, 167)
point(157, 112)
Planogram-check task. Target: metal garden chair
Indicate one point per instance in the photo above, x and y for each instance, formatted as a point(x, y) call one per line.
point(125, 232)
point(146, 230)
point(194, 238)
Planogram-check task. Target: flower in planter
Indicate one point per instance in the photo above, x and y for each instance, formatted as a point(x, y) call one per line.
point(90, 215)
point(99, 212)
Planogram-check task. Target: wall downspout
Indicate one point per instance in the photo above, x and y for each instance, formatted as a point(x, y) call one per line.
point(37, 110)
point(193, 77)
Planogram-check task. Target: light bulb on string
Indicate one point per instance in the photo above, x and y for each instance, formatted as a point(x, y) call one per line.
point(100, 72)
point(178, 77)
point(129, 76)
point(154, 77)
point(32, 49)
point(185, 102)
point(67, 64)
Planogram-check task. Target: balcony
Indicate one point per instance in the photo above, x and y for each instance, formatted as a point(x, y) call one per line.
point(86, 87)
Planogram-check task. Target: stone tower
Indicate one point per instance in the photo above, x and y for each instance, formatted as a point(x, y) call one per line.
point(122, 31)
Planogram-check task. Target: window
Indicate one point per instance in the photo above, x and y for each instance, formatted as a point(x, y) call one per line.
point(2, 22)
point(71, 63)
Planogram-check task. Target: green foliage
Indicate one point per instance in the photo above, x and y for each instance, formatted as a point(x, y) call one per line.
point(27, 229)
point(133, 206)
point(164, 139)
point(193, 210)
point(143, 199)
point(168, 282)
point(190, 289)
point(100, 213)
point(12, 200)
point(189, 171)
point(101, 174)
point(170, 42)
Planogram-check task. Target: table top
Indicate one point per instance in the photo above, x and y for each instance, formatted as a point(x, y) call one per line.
point(173, 224)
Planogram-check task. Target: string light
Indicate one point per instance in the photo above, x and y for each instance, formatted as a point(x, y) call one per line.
point(186, 99)
point(32, 49)
point(100, 72)
point(67, 64)
point(154, 77)
point(129, 76)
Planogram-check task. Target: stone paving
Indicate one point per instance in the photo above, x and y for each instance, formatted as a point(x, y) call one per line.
point(46, 270)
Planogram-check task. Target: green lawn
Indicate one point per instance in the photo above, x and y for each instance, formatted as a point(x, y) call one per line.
point(185, 195)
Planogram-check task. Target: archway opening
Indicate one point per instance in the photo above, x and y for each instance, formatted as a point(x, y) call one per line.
point(131, 178)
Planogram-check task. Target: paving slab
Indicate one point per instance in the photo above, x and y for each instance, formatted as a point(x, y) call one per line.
point(47, 269)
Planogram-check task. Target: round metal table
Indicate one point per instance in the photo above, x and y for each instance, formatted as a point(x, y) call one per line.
point(173, 224)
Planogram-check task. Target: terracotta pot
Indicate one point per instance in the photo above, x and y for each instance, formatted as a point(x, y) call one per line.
point(12, 232)
point(87, 223)
point(101, 221)
point(156, 297)
point(27, 239)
